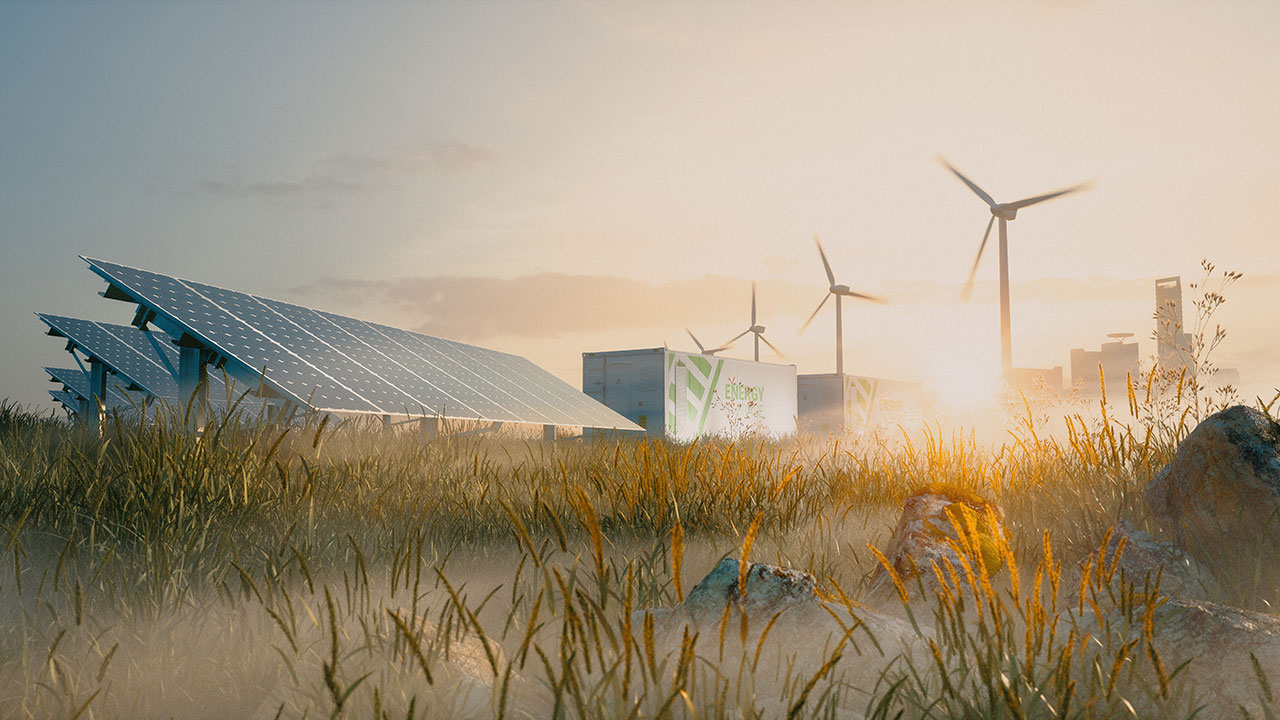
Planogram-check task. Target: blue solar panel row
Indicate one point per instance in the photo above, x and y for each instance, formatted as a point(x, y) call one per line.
point(75, 382)
point(139, 358)
point(68, 400)
point(341, 364)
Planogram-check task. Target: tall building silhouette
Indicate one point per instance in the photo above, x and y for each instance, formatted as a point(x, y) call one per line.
point(1173, 346)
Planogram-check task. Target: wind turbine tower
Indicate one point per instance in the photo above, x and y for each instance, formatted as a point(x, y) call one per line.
point(1004, 212)
point(840, 291)
point(755, 329)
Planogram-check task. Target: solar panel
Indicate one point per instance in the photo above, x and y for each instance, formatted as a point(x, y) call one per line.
point(141, 359)
point(336, 363)
point(75, 382)
point(67, 398)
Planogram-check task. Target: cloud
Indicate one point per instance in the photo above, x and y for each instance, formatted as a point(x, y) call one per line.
point(548, 305)
point(284, 189)
point(541, 305)
point(348, 175)
point(456, 157)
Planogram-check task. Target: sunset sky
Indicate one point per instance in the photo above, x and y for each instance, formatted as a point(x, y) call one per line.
point(553, 178)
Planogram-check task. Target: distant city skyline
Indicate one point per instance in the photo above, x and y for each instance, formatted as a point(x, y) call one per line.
point(554, 179)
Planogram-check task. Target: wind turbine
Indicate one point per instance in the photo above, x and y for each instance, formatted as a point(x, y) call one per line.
point(757, 330)
point(840, 291)
point(705, 351)
point(1005, 212)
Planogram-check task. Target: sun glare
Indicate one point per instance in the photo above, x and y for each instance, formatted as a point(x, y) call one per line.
point(962, 371)
point(966, 384)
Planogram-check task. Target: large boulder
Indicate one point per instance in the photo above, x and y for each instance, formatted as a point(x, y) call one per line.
point(939, 524)
point(1218, 641)
point(1224, 480)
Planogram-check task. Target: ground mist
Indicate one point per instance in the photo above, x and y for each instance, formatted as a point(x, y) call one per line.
point(334, 569)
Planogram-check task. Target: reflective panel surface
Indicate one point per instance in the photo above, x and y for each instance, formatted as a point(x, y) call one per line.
point(340, 364)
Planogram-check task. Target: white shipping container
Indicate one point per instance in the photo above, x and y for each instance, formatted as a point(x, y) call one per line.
point(839, 404)
point(685, 396)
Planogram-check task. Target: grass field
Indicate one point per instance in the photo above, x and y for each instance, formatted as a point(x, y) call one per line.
point(326, 571)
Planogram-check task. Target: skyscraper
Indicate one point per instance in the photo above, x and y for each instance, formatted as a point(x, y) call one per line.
point(1174, 348)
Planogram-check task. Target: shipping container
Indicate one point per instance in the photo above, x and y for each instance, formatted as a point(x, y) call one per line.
point(685, 396)
point(839, 404)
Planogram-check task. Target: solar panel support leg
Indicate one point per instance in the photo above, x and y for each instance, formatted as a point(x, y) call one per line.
point(548, 433)
point(97, 403)
point(280, 412)
point(193, 385)
point(386, 422)
point(430, 427)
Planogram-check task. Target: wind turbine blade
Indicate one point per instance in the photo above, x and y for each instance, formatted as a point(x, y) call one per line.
point(1041, 198)
point(771, 347)
point(723, 347)
point(968, 285)
point(695, 340)
point(972, 185)
point(753, 303)
point(861, 296)
point(825, 298)
point(734, 339)
point(825, 265)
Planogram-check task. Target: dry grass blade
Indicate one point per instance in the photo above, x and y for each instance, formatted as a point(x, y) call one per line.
point(677, 558)
point(744, 564)
point(893, 574)
point(808, 687)
point(469, 618)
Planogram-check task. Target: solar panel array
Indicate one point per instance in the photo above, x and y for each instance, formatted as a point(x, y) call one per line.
point(340, 364)
point(140, 358)
point(76, 385)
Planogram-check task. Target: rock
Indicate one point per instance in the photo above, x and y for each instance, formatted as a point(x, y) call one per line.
point(804, 626)
point(926, 534)
point(770, 590)
point(1224, 479)
point(1218, 640)
point(1143, 557)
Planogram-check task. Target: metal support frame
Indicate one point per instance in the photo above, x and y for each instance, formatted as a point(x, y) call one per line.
point(193, 385)
point(386, 423)
point(280, 412)
point(548, 433)
point(96, 404)
point(430, 427)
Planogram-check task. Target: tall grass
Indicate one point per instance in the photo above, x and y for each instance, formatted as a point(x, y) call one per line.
point(328, 569)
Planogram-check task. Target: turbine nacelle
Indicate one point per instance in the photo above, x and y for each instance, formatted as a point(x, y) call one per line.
point(1004, 211)
point(757, 329)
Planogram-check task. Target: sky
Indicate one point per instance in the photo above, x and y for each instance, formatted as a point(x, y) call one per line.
point(553, 178)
